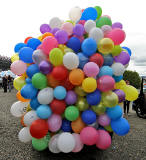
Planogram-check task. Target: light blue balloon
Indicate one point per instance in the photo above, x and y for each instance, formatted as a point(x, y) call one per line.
point(32, 69)
point(117, 78)
point(89, 13)
point(120, 126)
point(82, 60)
point(108, 60)
point(28, 80)
point(34, 103)
point(60, 92)
point(114, 112)
point(105, 70)
point(44, 111)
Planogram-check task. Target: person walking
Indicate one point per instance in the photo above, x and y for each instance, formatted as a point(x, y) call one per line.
point(5, 83)
point(9, 83)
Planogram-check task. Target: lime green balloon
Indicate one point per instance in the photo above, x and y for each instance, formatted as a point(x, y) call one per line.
point(116, 50)
point(19, 82)
point(103, 21)
point(79, 91)
point(82, 104)
point(109, 99)
point(99, 11)
point(39, 81)
point(39, 144)
point(48, 137)
point(56, 57)
point(71, 113)
point(108, 128)
point(99, 109)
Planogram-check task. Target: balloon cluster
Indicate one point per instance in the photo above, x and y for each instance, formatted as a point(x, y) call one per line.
point(70, 82)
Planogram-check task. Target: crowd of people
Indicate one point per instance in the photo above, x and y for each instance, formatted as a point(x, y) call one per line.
point(7, 83)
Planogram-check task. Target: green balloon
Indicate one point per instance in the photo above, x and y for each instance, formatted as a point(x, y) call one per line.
point(39, 81)
point(71, 113)
point(108, 128)
point(40, 144)
point(56, 56)
point(103, 21)
point(99, 109)
point(116, 50)
point(99, 11)
point(109, 99)
point(82, 104)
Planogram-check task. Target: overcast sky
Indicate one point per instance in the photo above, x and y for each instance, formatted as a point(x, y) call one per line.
point(22, 18)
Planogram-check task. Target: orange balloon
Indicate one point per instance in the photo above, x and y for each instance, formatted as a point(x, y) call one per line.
point(52, 82)
point(76, 76)
point(22, 121)
point(20, 98)
point(26, 39)
point(78, 125)
point(46, 35)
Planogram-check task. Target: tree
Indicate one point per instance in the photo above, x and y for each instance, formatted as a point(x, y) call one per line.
point(133, 77)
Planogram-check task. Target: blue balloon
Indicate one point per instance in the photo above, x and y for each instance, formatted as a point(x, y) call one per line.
point(74, 43)
point(44, 111)
point(105, 70)
point(89, 13)
point(66, 126)
point(19, 46)
point(34, 103)
point(82, 60)
point(28, 91)
point(94, 98)
point(28, 80)
point(108, 60)
point(32, 69)
point(33, 43)
point(114, 112)
point(118, 78)
point(25, 54)
point(60, 92)
point(128, 50)
point(88, 116)
point(89, 46)
point(120, 126)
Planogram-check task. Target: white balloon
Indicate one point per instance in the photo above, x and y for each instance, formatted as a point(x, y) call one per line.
point(29, 117)
point(118, 69)
point(66, 142)
point(18, 108)
point(45, 96)
point(70, 60)
point(89, 25)
point(55, 23)
point(53, 144)
point(75, 14)
point(24, 135)
point(96, 34)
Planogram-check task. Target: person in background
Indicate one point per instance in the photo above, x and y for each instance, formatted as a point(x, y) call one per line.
point(126, 103)
point(5, 83)
point(9, 83)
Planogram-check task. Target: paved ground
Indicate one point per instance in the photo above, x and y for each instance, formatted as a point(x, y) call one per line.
point(129, 147)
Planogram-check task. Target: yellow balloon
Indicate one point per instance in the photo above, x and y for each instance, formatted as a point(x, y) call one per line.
point(82, 104)
point(89, 84)
point(79, 91)
point(120, 84)
point(105, 45)
point(15, 57)
point(40, 38)
point(28, 108)
point(19, 82)
point(130, 92)
point(99, 109)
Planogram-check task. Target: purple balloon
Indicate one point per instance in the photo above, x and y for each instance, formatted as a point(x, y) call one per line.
point(45, 67)
point(104, 120)
point(54, 30)
point(120, 94)
point(71, 97)
point(123, 58)
point(78, 30)
point(117, 25)
point(45, 28)
point(61, 36)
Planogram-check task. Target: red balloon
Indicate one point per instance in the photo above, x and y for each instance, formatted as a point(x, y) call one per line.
point(97, 58)
point(67, 84)
point(39, 128)
point(58, 106)
point(60, 73)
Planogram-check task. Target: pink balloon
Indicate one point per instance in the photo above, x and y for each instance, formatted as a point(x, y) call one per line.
point(68, 27)
point(104, 140)
point(18, 67)
point(79, 145)
point(54, 122)
point(48, 44)
point(117, 35)
point(89, 136)
point(105, 83)
point(104, 120)
point(91, 69)
point(106, 29)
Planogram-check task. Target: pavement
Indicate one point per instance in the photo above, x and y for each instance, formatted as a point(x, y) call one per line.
point(129, 147)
